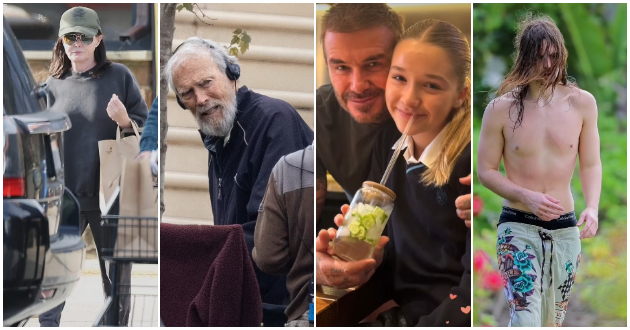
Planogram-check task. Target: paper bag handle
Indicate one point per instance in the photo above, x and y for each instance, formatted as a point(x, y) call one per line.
point(135, 130)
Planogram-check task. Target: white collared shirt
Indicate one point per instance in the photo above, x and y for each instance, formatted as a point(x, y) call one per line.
point(430, 154)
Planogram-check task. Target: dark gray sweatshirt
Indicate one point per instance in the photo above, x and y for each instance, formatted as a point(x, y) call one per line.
point(283, 239)
point(84, 98)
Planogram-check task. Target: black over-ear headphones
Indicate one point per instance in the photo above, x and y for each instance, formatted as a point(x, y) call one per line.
point(232, 70)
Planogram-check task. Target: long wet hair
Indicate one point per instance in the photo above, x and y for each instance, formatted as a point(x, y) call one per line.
point(454, 42)
point(60, 63)
point(529, 43)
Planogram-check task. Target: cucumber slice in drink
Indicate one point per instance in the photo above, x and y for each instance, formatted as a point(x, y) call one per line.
point(368, 221)
point(353, 227)
point(380, 215)
point(362, 232)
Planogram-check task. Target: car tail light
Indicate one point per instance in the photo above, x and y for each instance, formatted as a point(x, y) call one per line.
point(13, 184)
point(13, 187)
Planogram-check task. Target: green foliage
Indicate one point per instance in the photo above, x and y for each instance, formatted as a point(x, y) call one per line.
point(240, 40)
point(602, 273)
point(187, 6)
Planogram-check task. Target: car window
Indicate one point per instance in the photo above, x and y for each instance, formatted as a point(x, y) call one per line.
point(16, 99)
point(18, 83)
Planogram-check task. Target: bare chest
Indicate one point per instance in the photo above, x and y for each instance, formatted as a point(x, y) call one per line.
point(550, 130)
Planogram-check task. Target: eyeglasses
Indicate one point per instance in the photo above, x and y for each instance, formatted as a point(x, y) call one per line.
point(71, 38)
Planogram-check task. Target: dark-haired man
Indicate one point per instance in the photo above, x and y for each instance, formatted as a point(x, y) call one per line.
point(540, 123)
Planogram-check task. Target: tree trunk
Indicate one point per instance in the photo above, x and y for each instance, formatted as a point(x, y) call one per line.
point(167, 29)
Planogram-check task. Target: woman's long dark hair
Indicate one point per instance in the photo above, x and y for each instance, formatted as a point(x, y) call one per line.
point(529, 43)
point(60, 62)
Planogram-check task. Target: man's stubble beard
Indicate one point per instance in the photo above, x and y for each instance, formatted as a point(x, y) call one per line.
point(220, 122)
point(377, 118)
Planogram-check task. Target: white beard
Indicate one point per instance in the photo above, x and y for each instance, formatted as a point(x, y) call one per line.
point(221, 121)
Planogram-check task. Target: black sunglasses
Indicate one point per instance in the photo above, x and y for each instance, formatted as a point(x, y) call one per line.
point(71, 38)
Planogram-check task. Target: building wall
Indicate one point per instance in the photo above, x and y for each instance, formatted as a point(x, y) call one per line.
point(279, 64)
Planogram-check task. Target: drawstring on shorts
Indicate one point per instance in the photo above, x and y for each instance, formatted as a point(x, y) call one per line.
point(545, 236)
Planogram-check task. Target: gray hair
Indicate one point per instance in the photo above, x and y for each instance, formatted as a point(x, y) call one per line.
point(194, 46)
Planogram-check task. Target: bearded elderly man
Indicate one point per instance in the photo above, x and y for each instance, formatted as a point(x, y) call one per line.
point(245, 133)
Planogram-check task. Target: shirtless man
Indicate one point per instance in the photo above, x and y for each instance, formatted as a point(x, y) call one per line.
point(540, 123)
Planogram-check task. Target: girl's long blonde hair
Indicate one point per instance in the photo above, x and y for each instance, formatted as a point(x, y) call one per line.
point(458, 130)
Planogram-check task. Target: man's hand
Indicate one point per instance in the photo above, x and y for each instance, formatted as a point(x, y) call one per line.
point(117, 112)
point(344, 274)
point(544, 206)
point(463, 203)
point(589, 215)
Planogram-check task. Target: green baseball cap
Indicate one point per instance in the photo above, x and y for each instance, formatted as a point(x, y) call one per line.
point(79, 20)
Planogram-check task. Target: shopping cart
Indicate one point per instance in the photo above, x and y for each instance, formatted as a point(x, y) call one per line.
point(129, 240)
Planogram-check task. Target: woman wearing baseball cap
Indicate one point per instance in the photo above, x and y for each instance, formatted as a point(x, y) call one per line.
point(98, 96)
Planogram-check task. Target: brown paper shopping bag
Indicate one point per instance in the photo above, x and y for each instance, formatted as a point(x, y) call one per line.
point(137, 235)
point(111, 154)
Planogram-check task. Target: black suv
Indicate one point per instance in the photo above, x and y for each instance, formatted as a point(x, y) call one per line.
point(42, 246)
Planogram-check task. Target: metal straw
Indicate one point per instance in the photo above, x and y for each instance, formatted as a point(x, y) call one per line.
point(397, 152)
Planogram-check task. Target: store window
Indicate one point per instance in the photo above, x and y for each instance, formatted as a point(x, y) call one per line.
point(125, 26)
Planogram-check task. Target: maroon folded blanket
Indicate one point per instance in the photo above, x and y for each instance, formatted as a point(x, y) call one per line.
point(207, 278)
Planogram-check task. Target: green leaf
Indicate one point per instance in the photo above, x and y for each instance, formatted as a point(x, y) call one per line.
point(238, 31)
point(180, 7)
point(235, 40)
point(243, 46)
point(188, 6)
point(246, 38)
point(233, 51)
point(586, 33)
point(244, 43)
point(618, 34)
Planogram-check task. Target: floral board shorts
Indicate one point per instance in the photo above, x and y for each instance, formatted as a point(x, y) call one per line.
point(538, 267)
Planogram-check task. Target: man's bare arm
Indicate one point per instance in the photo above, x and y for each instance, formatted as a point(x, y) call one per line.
point(489, 154)
point(590, 167)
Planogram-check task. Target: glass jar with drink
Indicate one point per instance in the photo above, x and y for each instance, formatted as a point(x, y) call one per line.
point(364, 223)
